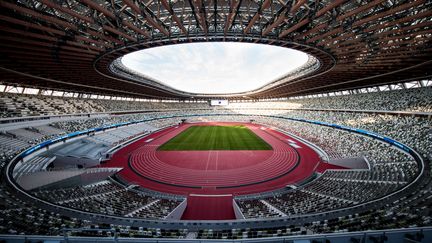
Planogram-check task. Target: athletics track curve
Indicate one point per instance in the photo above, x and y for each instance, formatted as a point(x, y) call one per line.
point(289, 162)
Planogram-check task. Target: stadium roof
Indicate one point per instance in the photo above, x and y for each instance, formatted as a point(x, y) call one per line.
point(75, 45)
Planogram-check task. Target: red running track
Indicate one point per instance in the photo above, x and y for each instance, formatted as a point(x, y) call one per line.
point(216, 175)
point(215, 172)
point(207, 171)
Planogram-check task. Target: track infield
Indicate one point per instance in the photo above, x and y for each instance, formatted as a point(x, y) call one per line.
point(215, 138)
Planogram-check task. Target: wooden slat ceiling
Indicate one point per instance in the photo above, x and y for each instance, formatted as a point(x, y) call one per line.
point(68, 45)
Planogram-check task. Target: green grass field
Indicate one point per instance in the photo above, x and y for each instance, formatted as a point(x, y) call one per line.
point(215, 138)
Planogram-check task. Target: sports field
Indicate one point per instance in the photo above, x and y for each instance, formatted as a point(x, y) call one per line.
point(215, 138)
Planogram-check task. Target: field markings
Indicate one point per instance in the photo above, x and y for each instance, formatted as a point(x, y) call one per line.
point(217, 159)
point(208, 160)
point(293, 144)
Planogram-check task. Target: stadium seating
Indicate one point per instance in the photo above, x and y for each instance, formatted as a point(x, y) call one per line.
point(17, 105)
point(119, 135)
point(390, 168)
point(256, 209)
point(112, 199)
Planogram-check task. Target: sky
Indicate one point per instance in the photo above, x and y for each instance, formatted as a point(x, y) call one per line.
point(215, 67)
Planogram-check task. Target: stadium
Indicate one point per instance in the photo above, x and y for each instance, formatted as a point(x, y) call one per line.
point(216, 121)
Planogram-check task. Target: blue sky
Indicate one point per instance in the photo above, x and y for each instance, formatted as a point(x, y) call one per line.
point(216, 67)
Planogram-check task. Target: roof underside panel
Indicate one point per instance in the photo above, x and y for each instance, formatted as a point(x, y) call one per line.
point(69, 45)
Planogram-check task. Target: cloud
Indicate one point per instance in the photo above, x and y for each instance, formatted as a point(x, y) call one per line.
point(216, 67)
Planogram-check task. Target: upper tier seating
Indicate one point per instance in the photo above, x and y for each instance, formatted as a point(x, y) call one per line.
point(17, 105)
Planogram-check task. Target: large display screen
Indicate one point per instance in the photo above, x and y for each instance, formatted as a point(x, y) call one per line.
point(219, 102)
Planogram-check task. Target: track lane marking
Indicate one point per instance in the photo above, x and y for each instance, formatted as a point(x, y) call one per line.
point(208, 160)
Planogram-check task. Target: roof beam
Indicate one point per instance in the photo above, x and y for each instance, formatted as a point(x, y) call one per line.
point(67, 10)
point(96, 6)
point(329, 7)
point(257, 15)
point(174, 16)
point(320, 12)
point(235, 4)
point(149, 19)
point(294, 28)
point(200, 14)
point(359, 9)
point(277, 22)
point(297, 5)
point(116, 31)
point(31, 25)
point(46, 18)
point(388, 12)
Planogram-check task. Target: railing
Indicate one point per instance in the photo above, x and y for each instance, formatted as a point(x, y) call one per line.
point(48, 117)
point(417, 234)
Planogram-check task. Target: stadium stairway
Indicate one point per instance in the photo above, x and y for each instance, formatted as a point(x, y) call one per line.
point(209, 207)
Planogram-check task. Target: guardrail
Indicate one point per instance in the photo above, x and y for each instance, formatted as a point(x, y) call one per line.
point(417, 234)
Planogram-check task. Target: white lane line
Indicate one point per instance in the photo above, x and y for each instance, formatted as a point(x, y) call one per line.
point(294, 145)
point(208, 160)
point(217, 159)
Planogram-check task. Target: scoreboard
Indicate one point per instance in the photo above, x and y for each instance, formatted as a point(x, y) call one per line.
point(218, 102)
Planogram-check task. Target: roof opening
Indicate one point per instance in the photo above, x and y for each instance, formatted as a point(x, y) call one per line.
point(215, 67)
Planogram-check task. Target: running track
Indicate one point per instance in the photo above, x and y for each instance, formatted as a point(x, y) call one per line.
point(216, 172)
